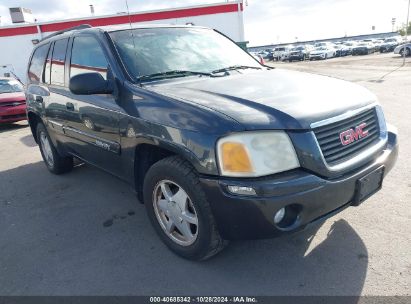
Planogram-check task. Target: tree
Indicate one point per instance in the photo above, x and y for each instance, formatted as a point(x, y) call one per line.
point(402, 31)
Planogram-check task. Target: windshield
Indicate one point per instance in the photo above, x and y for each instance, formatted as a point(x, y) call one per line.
point(10, 86)
point(159, 50)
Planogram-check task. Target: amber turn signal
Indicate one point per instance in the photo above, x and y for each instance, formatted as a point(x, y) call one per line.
point(235, 158)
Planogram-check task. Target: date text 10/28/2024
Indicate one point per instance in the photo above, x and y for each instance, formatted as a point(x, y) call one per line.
point(239, 299)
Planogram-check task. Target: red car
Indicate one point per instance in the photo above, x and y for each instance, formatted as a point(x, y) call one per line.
point(12, 101)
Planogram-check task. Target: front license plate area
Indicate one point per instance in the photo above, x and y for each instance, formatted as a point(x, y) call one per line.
point(368, 185)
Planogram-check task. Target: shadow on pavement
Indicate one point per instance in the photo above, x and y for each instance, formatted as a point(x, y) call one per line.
point(84, 233)
point(13, 126)
point(28, 140)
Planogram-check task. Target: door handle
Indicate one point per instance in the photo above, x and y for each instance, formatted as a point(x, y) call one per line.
point(39, 99)
point(70, 106)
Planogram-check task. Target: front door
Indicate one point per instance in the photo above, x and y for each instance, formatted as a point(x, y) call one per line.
point(92, 121)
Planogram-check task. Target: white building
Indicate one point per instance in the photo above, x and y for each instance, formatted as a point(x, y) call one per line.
point(16, 41)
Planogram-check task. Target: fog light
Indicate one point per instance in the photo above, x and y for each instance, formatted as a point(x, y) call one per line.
point(241, 190)
point(279, 216)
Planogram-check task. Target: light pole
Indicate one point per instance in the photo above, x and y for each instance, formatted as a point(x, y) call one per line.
point(393, 23)
point(406, 31)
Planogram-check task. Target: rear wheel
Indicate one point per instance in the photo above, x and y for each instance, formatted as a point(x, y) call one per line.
point(56, 163)
point(179, 211)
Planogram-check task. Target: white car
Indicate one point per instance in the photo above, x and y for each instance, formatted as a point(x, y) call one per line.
point(403, 49)
point(322, 53)
point(281, 53)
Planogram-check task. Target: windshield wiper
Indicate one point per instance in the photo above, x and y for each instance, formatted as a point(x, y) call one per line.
point(235, 67)
point(173, 73)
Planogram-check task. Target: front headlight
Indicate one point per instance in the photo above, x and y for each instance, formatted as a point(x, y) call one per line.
point(252, 154)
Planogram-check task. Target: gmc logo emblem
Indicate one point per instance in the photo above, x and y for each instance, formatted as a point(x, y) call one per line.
point(349, 136)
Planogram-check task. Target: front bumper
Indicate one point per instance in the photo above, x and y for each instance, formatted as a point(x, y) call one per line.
point(360, 52)
point(251, 217)
point(296, 57)
point(13, 113)
point(315, 57)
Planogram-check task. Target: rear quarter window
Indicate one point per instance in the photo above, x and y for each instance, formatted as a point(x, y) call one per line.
point(37, 63)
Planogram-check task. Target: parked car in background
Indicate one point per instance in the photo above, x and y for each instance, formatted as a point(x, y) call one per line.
point(269, 55)
point(377, 44)
point(299, 53)
point(363, 48)
point(281, 53)
point(389, 45)
point(347, 47)
point(342, 50)
point(12, 101)
point(322, 52)
point(403, 49)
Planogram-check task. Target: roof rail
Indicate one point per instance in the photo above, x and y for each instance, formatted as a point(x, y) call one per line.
point(78, 27)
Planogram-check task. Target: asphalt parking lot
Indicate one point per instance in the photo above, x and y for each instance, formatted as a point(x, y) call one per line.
point(85, 233)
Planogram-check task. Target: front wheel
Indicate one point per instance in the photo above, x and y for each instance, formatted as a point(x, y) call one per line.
point(405, 52)
point(55, 163)
point(179, 210)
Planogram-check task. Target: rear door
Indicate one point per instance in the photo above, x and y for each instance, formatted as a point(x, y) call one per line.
point(38, 93)
point(54, 78)
point(92, 121)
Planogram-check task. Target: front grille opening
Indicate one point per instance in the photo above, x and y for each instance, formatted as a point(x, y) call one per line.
point(328, 137)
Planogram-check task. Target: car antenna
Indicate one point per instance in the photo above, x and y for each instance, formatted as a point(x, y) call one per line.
point(131, 29)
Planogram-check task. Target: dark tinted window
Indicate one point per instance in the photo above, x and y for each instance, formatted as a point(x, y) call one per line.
point(37, 63)
point(57, 62)
point(47, 68)
point(87, 57)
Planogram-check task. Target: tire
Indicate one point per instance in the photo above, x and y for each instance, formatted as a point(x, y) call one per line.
point(176, 174)
point(407, 52)
point(55, 163)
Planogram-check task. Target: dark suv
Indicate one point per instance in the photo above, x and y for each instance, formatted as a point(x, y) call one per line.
point(216, 145)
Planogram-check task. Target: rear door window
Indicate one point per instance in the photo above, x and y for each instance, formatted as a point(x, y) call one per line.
point(57, 62)
point(37, 63)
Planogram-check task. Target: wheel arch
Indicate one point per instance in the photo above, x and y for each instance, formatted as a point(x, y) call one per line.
point(148, 153)
point(33, 119)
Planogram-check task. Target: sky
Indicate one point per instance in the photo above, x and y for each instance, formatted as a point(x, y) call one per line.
point(265, 21)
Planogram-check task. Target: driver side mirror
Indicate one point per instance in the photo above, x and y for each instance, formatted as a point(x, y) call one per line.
point(89, 84)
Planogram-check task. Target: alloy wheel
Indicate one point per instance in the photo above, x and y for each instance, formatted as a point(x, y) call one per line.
point(46, 148)
point(175, 212)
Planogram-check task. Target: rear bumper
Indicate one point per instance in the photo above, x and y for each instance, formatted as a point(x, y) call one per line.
point(251, 217)
point(13, 114)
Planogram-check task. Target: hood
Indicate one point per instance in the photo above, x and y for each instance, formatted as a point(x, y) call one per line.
point(16, 96)
point(272, 99)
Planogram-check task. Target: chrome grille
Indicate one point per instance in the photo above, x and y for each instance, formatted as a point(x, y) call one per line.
point(328, 137)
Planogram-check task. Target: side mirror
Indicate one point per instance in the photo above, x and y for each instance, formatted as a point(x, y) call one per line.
point(88, 84)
